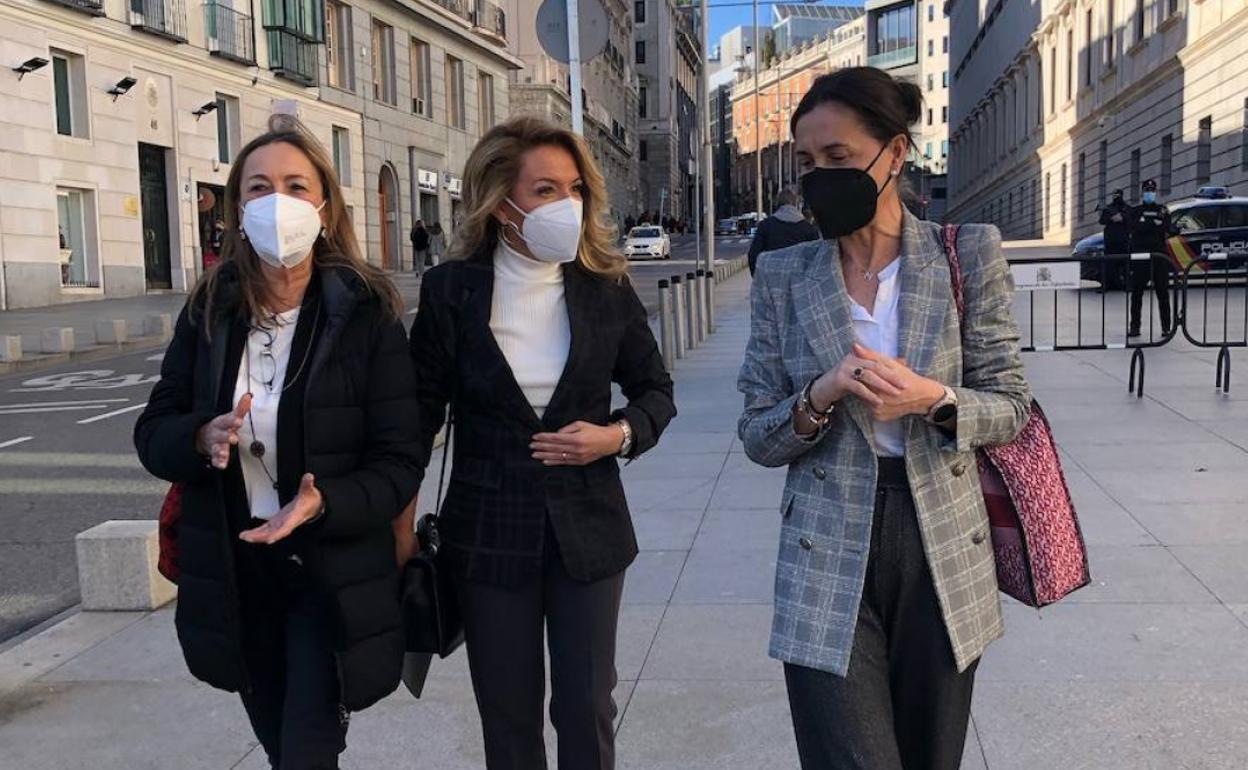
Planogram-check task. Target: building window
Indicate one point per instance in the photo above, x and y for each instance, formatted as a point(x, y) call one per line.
point(1169, 8)
point(1048, 198)
point(641, 101)
point(944, 78)
point(641, 150)
point(639, 11)
point(944, 44)
point(229, 130)
point(931, 12)
point(1081, 181)
point(931, 48)
point(944, 148)
point(69, 79)
point(75, 223)
point(1053, 80)
point(640, 53)
point(1102, 172)
point(1243, 140)
point(1167, 164)
point(1204, 150)
point(383, 63)
point(927, 151)
point(422, 76)
point(1009, 210)
point(944, 114)
point(1139, 21)
point(455, 92)
point(342, 155)
point(931, 82)
point(1109, 34)
point(929, 116)
point(485, 94)
point(1062, 196)
point(1026, 104)
point(1135, 175)
point(1087, 51)
point(338, 45)
point(1070, 65)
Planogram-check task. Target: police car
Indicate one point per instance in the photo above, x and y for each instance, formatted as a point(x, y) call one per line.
point(1211, 222)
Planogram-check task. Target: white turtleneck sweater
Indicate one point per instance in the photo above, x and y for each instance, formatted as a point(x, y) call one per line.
point(529, 319)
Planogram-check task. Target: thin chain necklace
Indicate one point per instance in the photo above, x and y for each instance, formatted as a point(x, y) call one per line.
point(257, 448)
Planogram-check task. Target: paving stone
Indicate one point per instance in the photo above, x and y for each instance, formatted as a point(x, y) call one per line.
point(745, 576)
point(713, 642)
point(1143, 574)
point(1220, 567)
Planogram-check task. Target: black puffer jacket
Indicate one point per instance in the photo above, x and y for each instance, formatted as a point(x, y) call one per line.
point(359, 440)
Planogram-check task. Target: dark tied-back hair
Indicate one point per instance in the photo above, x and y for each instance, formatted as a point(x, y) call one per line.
point(887, 106)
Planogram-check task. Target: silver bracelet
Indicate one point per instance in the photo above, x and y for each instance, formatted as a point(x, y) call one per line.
point(626, 445)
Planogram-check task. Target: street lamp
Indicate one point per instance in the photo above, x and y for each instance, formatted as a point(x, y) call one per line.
point(204, 110)
point(122, 87)
point(29, 66)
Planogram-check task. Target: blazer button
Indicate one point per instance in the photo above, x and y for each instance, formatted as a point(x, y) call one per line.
point(977, 538)
point(820, 473)
point(805, 543)
point(959, 469)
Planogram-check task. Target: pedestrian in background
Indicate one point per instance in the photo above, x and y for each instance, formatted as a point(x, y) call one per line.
point(437, 244)
point(786, 227)
point(420, 246)
point(285, 409)
point(1115, 218)
point(523, 337)
point(1150, 227)
point(860, 378)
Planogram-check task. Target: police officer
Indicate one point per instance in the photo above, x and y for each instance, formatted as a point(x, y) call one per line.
point(1150, 226)
point(1114, 218)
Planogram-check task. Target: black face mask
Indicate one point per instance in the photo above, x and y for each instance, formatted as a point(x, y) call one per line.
point(842, 199)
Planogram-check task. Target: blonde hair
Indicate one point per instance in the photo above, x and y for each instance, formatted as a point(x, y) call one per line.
point(491, 173)
point(335, 247)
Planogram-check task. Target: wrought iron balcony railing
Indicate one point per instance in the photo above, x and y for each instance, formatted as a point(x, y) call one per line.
point(489, 17)
point(91, 7)
point(165, 18)
point(229, 34)
point(304, 19)
point(292, 57)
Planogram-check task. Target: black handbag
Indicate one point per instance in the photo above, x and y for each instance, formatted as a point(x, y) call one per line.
point(431, 620)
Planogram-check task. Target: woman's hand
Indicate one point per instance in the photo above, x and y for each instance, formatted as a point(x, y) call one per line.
point(306, 506)
point(840, 382)
point(216, 437)
point(898, 390)
point(580, 443)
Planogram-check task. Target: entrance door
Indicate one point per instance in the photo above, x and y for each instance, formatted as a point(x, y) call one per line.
point(388, 196)
point(154, 198)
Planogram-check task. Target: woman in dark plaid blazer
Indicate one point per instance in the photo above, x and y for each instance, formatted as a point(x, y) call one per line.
point(523, 334)
point(860, 378)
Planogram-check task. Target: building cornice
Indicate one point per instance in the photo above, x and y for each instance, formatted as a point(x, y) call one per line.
point(460, 28)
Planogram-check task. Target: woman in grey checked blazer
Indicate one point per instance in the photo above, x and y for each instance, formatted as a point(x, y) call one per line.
point(860, 379)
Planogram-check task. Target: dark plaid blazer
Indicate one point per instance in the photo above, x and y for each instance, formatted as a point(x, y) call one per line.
point(502, 505)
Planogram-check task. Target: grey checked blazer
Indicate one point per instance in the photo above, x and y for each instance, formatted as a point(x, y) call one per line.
point(802, 328)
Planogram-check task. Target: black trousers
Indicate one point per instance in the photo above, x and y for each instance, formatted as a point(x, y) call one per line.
point(293, 703)
point(1158, 271)
point(903, 704)
point(503, 633)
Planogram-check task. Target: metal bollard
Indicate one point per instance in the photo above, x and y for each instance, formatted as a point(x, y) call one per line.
point(666, 335)
point(691, 309)
point(704, 283)
point(678, 316)
point(699, 317)
point(711, 280)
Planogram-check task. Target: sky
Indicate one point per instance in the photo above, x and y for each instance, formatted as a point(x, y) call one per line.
point(726, 14)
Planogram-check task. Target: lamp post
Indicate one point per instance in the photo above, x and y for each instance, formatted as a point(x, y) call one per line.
point(758, 138)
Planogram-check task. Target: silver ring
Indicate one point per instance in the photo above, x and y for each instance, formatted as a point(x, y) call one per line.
point(858, 373)
point(565, 456)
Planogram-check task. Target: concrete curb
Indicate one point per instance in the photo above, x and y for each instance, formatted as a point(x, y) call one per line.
point(38, 362)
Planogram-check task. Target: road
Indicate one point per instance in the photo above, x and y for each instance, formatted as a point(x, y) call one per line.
point(67, 462)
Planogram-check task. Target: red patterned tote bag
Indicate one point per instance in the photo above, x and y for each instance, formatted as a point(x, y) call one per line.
point(1040, 552)
point(170, 517)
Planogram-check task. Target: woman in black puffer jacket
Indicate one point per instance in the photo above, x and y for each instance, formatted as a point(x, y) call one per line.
point(285, 410)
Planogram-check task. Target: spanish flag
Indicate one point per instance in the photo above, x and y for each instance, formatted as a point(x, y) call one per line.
point(1182, 256)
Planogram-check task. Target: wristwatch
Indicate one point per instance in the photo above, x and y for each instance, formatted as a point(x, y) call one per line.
point(626, 446)
point(945, 410)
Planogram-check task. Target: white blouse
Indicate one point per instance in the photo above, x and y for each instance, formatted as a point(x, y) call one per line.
point(879, 330)
point(276, 337)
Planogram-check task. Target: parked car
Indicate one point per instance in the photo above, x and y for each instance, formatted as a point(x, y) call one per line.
point(1212, 221)
point(650, 242)
point(726, 227)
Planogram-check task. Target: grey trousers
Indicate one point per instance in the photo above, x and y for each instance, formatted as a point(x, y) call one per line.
point(903, 705)
point(503, 633)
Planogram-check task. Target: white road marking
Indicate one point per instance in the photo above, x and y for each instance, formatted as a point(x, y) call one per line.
point(99, 401)
point(15, 442)
point(157, 357)
point(106, 415)
point(42, 410)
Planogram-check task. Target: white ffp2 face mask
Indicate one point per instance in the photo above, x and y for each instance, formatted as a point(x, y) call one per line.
point(552, 231)
point(281, 228)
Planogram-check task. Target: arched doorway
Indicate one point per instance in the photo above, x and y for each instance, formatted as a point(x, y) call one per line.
point(388, 206)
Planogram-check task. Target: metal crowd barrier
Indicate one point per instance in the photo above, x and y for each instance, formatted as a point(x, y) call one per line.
point(1221, 320)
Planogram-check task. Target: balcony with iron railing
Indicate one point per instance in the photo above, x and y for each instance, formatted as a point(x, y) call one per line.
point(163, 18)
point(90, 7)
point(229, 34)
point(292, 57)
point(490, 19)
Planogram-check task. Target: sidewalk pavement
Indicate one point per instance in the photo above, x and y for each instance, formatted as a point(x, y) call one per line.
point(1147, 668)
